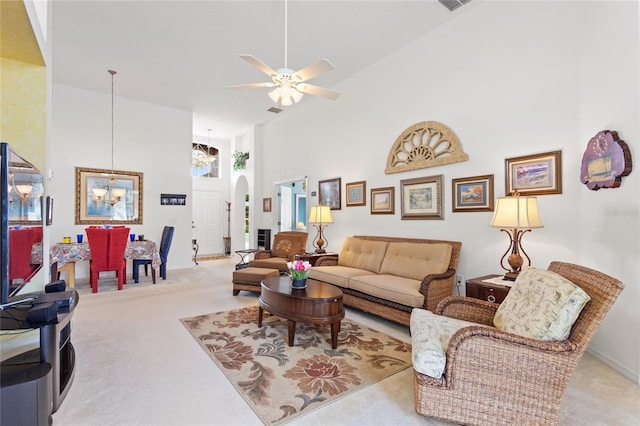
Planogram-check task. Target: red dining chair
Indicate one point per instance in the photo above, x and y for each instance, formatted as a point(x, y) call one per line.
point(21, 242)
point(107, 253)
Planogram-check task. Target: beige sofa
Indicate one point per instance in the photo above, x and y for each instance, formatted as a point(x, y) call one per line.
point(389, 276)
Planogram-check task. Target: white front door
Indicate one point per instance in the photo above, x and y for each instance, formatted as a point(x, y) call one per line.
point(207, 222)
point(285, 208)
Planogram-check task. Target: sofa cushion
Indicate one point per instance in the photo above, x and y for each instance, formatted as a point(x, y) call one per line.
point(336, 275)
point(430, 335)
point(362, 254)
point(541, 305)
point(389, 287)
point(279, 263)
point(416, 260)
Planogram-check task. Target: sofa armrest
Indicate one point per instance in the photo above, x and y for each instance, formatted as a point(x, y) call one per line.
point(436, 287)
point(468, 309)
point(293, 254)
point(263, 254)
point(327, 261)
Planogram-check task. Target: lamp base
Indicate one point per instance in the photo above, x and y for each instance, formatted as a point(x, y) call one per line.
point(320, 251)
point(511, 276)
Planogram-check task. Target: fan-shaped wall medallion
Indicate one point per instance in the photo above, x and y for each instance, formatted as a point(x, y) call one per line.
point(425, 144)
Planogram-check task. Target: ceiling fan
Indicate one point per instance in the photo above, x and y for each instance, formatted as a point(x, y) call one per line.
point(290, 85)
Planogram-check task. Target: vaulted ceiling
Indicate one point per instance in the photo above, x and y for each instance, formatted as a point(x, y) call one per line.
point(183, 54)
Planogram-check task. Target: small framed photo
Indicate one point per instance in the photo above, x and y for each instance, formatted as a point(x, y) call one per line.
point(473, 194)
point(266, 204)
point(538, 174)
point(422, 198)
point(383, 200)
point(329, 193)
point(356, 194)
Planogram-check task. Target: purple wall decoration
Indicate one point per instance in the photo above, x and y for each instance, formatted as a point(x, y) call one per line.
point(605, 161)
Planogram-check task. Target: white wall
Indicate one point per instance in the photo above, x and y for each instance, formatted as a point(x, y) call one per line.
point(510, 79)
point(151, 139)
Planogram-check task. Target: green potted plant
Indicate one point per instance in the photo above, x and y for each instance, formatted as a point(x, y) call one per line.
point(240, 160)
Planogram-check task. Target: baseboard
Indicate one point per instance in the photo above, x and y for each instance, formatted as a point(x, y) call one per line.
point(634, 376)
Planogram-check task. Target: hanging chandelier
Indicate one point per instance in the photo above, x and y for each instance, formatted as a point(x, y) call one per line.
point(201, 154)
point(110, 193)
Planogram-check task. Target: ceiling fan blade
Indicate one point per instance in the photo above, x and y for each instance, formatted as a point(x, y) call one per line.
point(310, 71)
point(310, 89)
point(252, 85)
point(259, 64)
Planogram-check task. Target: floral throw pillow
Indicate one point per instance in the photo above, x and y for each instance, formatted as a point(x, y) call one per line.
point(541, 305)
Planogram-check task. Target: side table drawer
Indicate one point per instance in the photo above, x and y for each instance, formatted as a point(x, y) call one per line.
point(486, 292)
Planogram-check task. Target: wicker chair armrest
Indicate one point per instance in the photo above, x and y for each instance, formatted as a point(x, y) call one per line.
point(468, 309)
point(293, 254)
point(263, 254)
point(472, 342)
point(436, 287)
point(327, 261)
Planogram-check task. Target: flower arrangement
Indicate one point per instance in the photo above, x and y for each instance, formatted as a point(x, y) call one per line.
point(240, 160)
point(299, 269)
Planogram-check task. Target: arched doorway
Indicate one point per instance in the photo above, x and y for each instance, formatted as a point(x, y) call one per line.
point(241, 213)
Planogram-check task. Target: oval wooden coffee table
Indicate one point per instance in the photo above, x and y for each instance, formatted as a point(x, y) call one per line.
point(319, 303)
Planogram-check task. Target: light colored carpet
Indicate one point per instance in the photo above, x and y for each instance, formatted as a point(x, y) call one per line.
point(136, 365)
point(280, 382)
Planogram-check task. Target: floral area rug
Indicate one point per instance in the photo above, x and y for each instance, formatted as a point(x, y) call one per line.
point(280, 382)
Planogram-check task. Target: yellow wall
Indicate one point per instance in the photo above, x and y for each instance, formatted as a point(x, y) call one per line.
point(23, 84)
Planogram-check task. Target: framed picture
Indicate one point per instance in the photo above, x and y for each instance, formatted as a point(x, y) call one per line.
point(537, 174)
point(173, 199)
point(356, 194)
point(383, 200)
point(266, 204)
point(473, 194)
point(422, 198)
point(108, 197)
point(49, 211)
point(329, 193)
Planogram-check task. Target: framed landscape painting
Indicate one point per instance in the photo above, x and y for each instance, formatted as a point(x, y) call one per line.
point(383, 200)
point(422, 198)
point(356, 194)
point(329, 193)
point(473, 194)
point(537, 174)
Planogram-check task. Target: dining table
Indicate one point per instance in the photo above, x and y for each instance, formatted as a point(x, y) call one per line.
point(61, 254)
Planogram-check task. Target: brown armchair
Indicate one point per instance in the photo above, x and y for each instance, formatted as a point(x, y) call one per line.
point(286, 245)
point(495, 377)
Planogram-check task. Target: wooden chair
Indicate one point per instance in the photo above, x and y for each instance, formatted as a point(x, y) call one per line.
point(165, 245)
point(107, 253)
point(493, 377)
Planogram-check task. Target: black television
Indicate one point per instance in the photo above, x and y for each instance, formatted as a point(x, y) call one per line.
point(21, 223)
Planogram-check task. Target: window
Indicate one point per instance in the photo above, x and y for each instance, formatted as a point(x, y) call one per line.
point(205, 161)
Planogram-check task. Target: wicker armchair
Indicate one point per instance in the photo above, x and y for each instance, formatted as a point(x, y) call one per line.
point(286, 245)
point(494, 377)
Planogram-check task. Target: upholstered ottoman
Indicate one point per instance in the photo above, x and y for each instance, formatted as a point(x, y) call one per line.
point(249, 279)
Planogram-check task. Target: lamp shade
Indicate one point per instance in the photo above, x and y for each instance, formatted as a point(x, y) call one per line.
point(516, 212)
point(320, 214)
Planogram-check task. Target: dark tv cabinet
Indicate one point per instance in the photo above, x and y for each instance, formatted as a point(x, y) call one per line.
point(55, 349)
point(264, 239)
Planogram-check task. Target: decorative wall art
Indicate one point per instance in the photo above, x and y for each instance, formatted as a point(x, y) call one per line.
point(425, 144)
point(266, 205)
point(329, 193)
point(538, 174)
point(422, 198)
point(173, 199)
point(356, 194)
point(473, 194)
point(108, 197)
point(605, 161)
point(383, 200)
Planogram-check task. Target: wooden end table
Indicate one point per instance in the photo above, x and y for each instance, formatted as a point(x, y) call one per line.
point(478, 289)
point(319, 303)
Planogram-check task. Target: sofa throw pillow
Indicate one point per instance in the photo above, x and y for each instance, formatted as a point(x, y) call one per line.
point(281, 247)
point(541, 305)
point(430, 335)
